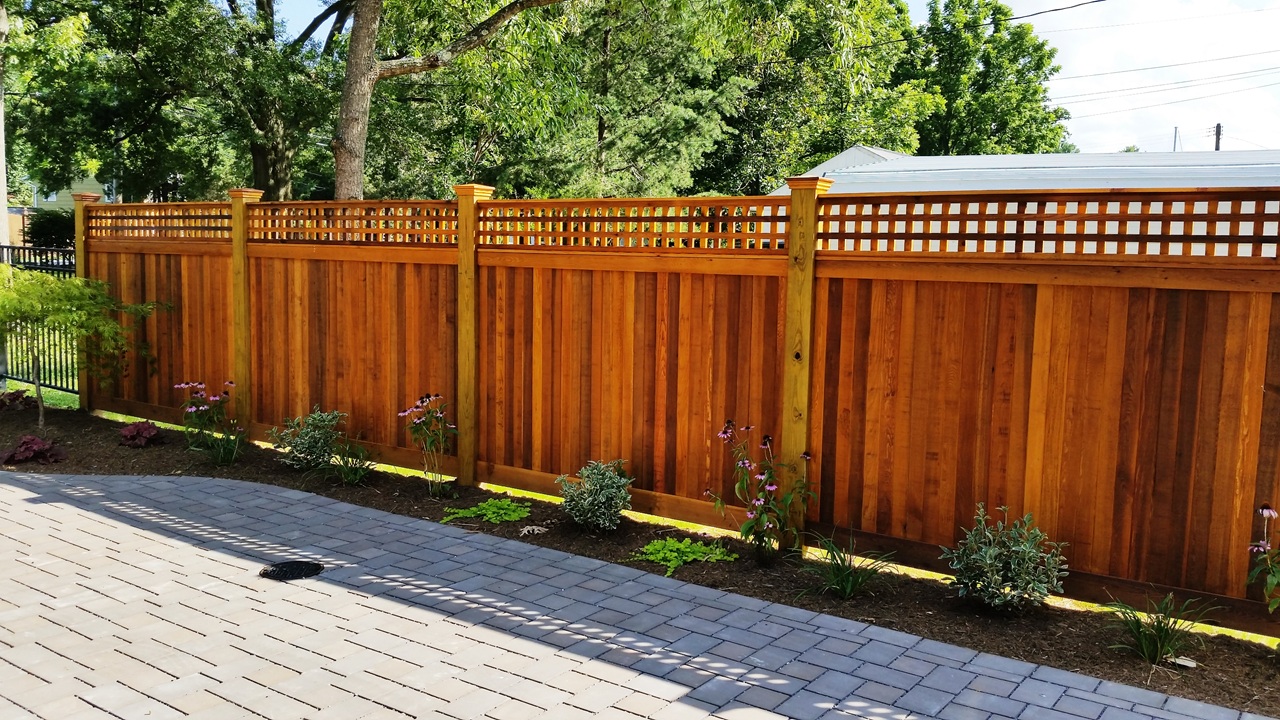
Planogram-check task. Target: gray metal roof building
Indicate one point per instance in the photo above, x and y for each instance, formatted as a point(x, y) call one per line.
point(863, 169)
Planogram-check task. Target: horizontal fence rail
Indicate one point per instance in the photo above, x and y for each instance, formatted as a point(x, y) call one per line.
point(706, 223)
point(1239, 223)
point(1105, 360)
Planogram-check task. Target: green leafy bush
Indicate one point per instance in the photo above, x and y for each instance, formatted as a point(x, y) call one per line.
point(497, 510)
point(308, 443)
point(1165, 631)
point(51, 229)
point(352, 463)
point(672, 553)
point(1010, 566)
point(843, 573)
point(597, 497)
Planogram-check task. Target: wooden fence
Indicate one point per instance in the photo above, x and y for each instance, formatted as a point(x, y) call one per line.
point(1107, 360)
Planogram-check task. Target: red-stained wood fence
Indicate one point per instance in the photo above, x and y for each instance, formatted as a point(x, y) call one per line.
point(1107, 360)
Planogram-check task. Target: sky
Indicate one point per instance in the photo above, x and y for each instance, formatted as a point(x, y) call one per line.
point(1222, 48)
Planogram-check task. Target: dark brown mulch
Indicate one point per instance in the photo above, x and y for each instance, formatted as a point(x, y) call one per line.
point(1232, 672)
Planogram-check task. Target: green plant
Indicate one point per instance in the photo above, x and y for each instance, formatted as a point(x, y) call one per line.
point(756, 485)
point(34, 449)
point(598, 496)
point(352, 463)
point(671, 553)
point(496, 510)
point(308, 442)
point(842, 572)
point(16, 400)
point(1267, 563)
point(140, 434)
point(430, 430)
point(76, 307)
point(51, 228)
point(1164, 632)
point(1011, 566)
point(208, 426)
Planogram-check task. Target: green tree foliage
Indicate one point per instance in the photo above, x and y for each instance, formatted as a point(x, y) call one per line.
point(169, 101)
point(821, 81)
point(991, 73)
point(76, 307)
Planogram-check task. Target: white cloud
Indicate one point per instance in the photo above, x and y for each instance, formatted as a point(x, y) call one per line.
point(1147, 33)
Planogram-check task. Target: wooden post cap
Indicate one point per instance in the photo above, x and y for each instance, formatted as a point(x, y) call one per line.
point(86, 197)
point(819, 184)
point(472, 190)
point(246, 194)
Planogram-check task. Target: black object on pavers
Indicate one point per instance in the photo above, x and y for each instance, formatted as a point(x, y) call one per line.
point(291, 570)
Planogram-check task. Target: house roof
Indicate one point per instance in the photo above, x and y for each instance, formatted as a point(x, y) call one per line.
point(876, 170)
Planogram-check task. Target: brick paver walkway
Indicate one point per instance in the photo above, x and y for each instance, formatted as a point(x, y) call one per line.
point(139, 598)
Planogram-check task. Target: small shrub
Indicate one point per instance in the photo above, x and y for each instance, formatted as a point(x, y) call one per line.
point(598, 496)
point(33, 449)
point(52, 229)
point(1164, 632)
point(16, 400)
point(843, 573)
point(140, 434)
point(352, 463)
point(429, 429)
point(308, 443)
point(1010, 566)
point(495, 511)
point(208, 428)
point(672, 554)
point(768, 509)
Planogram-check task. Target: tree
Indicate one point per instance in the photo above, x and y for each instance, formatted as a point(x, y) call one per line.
point(74, 307)
point(364, 69)
point(991, 73)
point(821, 82)
point(1066, 146)
point(175, 100)
point(1131, 148)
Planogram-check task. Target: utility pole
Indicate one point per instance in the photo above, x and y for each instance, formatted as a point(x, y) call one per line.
point(1175, 139)
point(1217, 137)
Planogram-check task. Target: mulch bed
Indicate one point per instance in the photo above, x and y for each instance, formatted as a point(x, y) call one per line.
point(1231, 672)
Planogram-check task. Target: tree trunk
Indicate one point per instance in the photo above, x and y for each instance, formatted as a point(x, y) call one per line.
point(357, 93)
point(35, 380)
point(272, 159)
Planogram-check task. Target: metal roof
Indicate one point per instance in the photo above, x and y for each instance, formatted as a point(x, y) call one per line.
point(877, 170)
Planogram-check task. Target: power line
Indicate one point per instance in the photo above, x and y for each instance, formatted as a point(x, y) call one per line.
point(1272, 71)
point(1190, 83)
point(1175, 102)
point(1233, 137)
point(1159, 20)
point(1161, 67)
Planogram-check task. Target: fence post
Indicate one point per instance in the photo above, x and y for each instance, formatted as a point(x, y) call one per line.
point(241, 329)
point(802, 246)
point(467, 407)
point(82, 201)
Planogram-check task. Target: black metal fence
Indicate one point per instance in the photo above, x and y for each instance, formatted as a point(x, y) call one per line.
point(57, 351)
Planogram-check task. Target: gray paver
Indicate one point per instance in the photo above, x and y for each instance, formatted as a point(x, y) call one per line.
point(140, 596)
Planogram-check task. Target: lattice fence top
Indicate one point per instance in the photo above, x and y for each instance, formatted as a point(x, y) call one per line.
point(385, 221)
point(706, 223)
point(159, 221)
point(1229, 223)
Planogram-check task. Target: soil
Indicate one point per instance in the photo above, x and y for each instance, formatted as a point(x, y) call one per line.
point(1231, 672)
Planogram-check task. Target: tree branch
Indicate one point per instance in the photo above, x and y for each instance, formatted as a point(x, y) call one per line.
point(317, 21)
point(336, 29)
point(235, 8)
point(479, 35)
